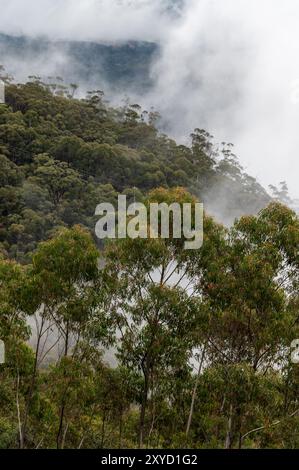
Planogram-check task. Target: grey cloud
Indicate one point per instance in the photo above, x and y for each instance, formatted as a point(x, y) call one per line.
point(231, 66)
point(102, 20)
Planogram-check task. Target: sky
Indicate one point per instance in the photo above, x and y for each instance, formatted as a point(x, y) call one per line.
point(230, 66)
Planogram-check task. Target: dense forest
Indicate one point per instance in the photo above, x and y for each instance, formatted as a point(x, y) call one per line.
point(200, 339)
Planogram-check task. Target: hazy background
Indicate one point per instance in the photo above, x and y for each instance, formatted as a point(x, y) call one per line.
point(230, 66)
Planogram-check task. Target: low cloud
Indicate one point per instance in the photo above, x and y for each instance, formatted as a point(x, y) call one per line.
point(229, 66)
point(101, 20)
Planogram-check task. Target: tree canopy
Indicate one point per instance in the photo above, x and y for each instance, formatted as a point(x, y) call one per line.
point(138, 342)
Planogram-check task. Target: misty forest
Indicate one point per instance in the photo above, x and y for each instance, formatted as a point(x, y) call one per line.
point(138, 342)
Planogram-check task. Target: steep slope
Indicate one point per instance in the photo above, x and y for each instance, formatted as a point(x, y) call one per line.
point(60, 157)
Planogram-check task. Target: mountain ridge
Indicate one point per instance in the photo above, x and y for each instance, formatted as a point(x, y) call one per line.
point(117, 65)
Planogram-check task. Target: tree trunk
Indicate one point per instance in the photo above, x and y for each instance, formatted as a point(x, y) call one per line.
point(228, 439)
point(66, 344)
point(195, 392)
point(59, 437)
point(64, 436)
point(143, 408)
point(120, 430)
point(59, 433)
point(103, 429)
point(21, 436)
point(32, 384)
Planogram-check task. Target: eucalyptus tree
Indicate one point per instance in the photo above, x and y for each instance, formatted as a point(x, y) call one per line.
point(15, 302)
point(153, 305)
point(65, 274)
point(247, 281)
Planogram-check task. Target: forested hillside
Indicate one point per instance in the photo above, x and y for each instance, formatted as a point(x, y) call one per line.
point(202, 337)
point(60, 157)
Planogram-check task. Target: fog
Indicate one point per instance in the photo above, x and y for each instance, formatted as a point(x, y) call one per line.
point(230, 66)
point(101, 20)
